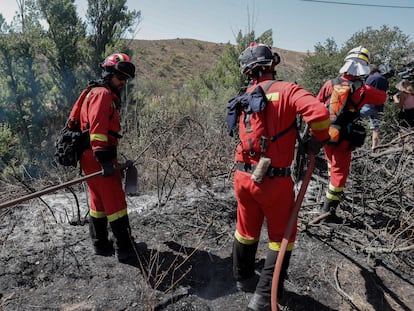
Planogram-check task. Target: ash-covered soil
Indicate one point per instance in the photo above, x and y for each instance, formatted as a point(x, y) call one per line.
point(47, 263)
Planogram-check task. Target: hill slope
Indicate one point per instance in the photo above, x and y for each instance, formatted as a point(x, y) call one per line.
point(176, 61)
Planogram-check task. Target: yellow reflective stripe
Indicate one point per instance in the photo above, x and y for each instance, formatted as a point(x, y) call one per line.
point(320, 125)
point(333, 197)
point(243, 240)
point(117, 215)
point(99, 137)
point(363, 54)
point(275, 246)
point(97, 214)
point(335, 189)
point(272, 96)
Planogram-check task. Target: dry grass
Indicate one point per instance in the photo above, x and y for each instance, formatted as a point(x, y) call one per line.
point(175, 61)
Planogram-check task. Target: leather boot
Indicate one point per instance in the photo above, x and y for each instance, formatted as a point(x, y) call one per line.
point(125, 244)
point(98, 231)
point(261, 299)
point(243, 266)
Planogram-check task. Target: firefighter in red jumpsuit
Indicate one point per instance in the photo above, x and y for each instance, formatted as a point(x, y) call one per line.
point(100, 114)
point(273, 198)
point(339, 155)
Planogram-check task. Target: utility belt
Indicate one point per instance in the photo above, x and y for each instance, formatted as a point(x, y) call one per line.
point(271, 171)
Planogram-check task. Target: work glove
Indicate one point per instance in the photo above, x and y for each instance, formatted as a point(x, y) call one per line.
point(312, 145)
point(105, 157)
point(129, 163)
point(108, 168)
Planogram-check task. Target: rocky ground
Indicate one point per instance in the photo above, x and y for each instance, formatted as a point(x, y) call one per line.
point(47, 263)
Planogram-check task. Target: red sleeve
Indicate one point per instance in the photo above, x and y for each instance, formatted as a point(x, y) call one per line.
point(98, 118)
point(370, 95)
point(313, 112)
point(325, 92)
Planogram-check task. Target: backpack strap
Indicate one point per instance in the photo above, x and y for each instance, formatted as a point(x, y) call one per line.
point(268, 85)
point(274, 137)
point(280, 134)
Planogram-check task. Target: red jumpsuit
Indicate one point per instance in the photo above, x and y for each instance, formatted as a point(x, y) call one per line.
point(100, 113)
point(273, 199)
point(339, 156)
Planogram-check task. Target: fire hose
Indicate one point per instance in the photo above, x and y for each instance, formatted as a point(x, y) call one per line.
point(289, 228)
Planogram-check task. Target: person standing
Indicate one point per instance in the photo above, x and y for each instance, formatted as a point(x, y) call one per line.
point(338, 155)
point(377, 78)
point(100, 115)
point(405, 101)
point(271, 199)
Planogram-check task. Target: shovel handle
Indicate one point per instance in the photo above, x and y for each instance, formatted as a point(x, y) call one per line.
point(48, 190)
point(57, 187)
point(289, 228)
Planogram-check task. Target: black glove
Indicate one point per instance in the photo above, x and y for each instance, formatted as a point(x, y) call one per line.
point(104, 155)
point(128, 163)
point(108, 168)
point(312, 145)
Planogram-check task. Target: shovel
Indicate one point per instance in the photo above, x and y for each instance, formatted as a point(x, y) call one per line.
point(131, 180)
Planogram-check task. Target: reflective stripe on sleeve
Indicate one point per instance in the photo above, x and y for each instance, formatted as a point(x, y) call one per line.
point(99, 137)
point(320, 125)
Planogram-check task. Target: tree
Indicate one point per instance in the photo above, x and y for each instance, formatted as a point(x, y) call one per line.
point(66, 32)
point(21, 100)
point(109, 21)
point(320, 65)
point(226, 72)
point(386, 45)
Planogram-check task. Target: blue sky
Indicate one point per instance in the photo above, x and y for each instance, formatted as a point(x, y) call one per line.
point(297, 25)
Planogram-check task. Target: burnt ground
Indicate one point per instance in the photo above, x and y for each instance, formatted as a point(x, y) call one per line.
point(47, 263)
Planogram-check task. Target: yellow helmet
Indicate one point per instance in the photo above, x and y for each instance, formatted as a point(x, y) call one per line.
point(360, 53)
point(356, 62)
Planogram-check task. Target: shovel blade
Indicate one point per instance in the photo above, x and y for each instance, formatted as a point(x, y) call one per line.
point(131, 180)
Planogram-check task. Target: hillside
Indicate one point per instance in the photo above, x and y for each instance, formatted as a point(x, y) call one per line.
point(176, 61)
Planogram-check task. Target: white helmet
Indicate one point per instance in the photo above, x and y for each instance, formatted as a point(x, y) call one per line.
point(356, 62)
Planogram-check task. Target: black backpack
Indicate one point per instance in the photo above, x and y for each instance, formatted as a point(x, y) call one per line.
point(72, 141)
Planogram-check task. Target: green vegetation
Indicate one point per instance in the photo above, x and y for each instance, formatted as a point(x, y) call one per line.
point(174, 112)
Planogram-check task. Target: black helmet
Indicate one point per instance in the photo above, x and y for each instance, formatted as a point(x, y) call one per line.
point(257, 55)
point(386, 70)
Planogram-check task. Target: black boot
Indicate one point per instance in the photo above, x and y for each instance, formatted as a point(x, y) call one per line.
point(98, 230)
point(329, 205)
point(243, 266)
point(125, 244)
point(261, 299)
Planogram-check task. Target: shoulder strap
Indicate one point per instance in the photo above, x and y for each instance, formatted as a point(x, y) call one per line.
point(292, 125)
point(268, 85)
point(74, 116)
